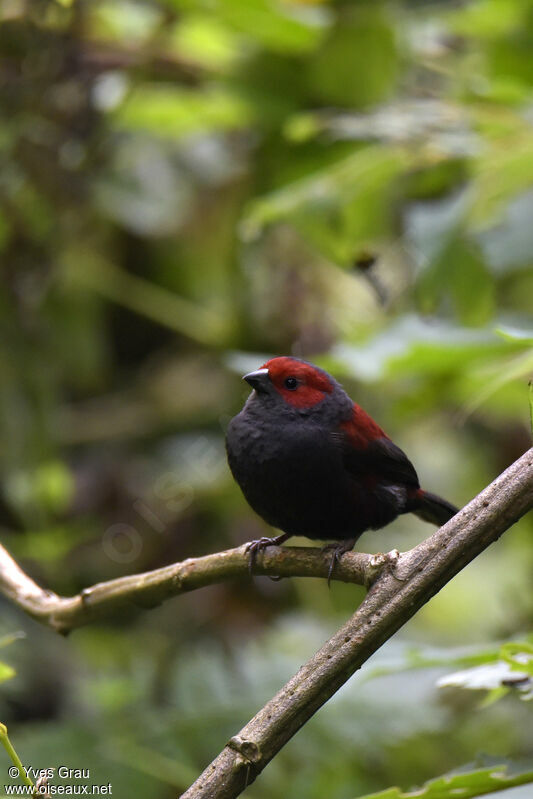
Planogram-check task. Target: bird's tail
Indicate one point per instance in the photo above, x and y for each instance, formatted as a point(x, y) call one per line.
point(434, 509)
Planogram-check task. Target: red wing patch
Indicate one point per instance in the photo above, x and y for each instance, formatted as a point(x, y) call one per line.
point(361, 429)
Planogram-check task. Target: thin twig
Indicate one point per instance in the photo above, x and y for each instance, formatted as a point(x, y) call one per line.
point(151, 588)
point(392, 600)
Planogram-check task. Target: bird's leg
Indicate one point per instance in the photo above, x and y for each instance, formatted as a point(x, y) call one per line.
point(338, 548)
point(253, 547)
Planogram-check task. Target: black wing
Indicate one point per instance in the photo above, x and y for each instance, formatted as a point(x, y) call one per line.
point(380, 457)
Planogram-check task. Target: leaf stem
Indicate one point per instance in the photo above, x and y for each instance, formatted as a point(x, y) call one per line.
point(8, 746)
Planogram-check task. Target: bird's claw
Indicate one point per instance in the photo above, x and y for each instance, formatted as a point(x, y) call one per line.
point(253, 547)
point(337, 551)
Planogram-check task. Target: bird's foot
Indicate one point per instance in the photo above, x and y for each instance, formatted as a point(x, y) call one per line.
point(253, 547)
point(337, 548)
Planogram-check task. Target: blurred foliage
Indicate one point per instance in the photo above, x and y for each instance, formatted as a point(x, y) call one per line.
point(186, 188)
point(499, 669)
point(512, 667)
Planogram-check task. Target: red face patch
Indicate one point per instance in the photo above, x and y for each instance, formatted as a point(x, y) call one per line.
point(300, 384)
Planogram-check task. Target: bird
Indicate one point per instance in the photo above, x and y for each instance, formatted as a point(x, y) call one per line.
point(311, 462)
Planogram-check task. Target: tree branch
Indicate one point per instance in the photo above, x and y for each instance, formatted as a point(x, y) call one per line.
point(392, 600)
point(151, 588)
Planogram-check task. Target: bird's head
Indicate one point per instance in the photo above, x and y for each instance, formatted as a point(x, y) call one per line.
point(298, 384)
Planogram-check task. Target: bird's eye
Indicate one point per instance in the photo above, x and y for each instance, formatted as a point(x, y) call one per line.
point(291, 383)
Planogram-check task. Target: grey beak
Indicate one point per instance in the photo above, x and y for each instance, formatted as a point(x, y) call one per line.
point(258, 379)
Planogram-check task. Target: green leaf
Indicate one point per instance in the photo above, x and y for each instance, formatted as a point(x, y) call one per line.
point(166, 111)
point(516, 654)
point(486, 18)
point(498, 374)
point(486, 677)
point(515, 333)
point(416, 346)
point(459, 272)
point(496, 670)
point(275, 25)
point(335, 206)
point(502, 172)
point(206, 41)
point(6, 672)
point(519, 656)
point(126, 21)
point(460, 786)
point(53, 485)
point(362, 44)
